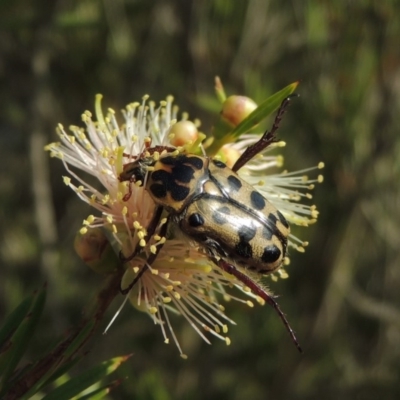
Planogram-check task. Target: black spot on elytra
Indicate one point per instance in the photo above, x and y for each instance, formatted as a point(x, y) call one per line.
point(246, 233)
point(183, 159)
point(160, 175)
point(195, 162)
point(169, 160)
point(179, 193)
point(180, 173)
point(219, 164)
point(257, 201)
point(196, 220)
point(271, 254)
point(158, 190)
point(219, 215)
point(267, 233)
point(243, 249)
point(234, 183)
point(272, 218)
point(282, 219)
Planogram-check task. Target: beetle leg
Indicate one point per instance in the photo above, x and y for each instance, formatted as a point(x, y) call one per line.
point(150, 259)
point(150, 232)
point(259, 291)
point(128, 195)
point(266, 139)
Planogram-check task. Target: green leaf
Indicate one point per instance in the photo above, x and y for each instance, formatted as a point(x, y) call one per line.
point(51, 376)
point(88, 378)
point(22, 336)
point(63, 369)
point(80, 338)
point(100, 392)
point(68, 353)
point(266, 108)
point(13, 321)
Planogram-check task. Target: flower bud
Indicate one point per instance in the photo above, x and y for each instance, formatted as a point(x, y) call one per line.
point(183, 133)
point(96, 251)
point(236, 108)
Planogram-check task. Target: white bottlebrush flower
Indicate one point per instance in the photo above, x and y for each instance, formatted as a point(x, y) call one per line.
point(181, 278)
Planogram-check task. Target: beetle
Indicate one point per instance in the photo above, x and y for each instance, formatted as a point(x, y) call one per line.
point(235, 225)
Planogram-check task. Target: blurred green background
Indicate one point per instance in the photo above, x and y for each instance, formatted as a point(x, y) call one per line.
point(343, 294)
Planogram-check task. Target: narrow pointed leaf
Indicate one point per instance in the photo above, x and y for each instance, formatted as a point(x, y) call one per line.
point(266, 108)
point(67, 354)
point(100, 392)
point(80, 338)
point(12, 322)
point(63, 369)
point(51, 376)
point(23, 334)
point(88, 378)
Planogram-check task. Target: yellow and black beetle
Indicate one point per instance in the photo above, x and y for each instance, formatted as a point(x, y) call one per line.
point(238, 228)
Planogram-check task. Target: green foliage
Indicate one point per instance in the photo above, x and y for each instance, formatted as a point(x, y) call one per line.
point(23, 382)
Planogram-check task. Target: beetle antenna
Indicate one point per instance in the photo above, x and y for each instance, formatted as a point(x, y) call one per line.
point(256, 289)
point(266, 139)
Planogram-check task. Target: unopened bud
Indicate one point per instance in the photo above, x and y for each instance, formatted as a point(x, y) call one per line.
point(236, 108)
point(183, 132)
point(95, 250)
